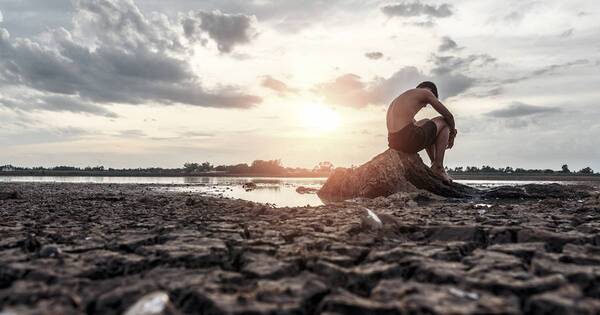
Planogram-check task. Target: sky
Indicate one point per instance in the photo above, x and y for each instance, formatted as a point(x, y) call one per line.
point(125, 83)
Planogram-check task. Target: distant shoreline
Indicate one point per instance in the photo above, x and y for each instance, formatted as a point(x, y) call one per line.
point(511, 177)
point(149, 174)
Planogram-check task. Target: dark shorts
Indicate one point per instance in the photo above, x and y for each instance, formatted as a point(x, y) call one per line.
point(412, 138)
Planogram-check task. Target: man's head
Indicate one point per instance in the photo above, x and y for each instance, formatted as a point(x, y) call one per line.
point(430, 86)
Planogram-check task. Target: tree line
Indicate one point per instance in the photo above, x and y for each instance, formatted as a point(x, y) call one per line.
point(509, 170)
point(257, 167)
point(267, 167)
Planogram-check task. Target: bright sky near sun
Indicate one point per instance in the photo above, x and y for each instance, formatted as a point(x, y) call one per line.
point(127, 83)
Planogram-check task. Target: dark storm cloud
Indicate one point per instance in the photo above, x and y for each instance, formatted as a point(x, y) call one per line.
point(350, 90)
point(518, 109)
point(413, 9)
point(227, 30)
point(448, 45)
point(276, 85)
point(375, 55)
point(134, 60)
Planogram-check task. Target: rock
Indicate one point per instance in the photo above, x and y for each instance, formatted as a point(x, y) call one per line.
point(567, 300)
point(585, 276)
point(554, 241)
point(388, 173)
point(518, 283)
point(370, 221)
point(483, 261)
point(295, 295)
point(50, 251)
point(525, 251)
point(151, 304)
point(538, 191)
point(249, 186)
point(344, 302)
point(419, 298)
point(266, 267)
point(457, 233)
point(30, 243)
point(306, 190)
point(10, 195)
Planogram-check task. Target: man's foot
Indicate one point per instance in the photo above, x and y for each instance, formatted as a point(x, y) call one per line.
point(440, 172)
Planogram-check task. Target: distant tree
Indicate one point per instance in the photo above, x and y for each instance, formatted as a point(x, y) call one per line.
point(586, 170)
point(565, 169)
point(267, 167)
point(221, 168)
point(472, 169)
point(458, 169)
point(324, 167)
point(205, 167)
point(508, 169)
point(191, 167)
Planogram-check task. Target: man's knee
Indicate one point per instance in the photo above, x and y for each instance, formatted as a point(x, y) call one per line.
point(440, 123)
point(422, 122)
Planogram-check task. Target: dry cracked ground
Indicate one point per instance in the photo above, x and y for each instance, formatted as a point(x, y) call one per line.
point(136, 249)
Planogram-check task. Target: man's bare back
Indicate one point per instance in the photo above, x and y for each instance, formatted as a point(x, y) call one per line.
point(403, 109)
point(435, 135)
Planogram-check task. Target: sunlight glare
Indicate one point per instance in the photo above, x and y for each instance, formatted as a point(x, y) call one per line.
point(320, 118)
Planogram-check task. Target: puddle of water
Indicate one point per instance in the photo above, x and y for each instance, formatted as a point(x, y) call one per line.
point(280, 192)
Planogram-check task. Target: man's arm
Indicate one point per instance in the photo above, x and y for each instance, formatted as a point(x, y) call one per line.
point(440, 108)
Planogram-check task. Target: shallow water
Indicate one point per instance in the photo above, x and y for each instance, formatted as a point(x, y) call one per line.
point(278, 191)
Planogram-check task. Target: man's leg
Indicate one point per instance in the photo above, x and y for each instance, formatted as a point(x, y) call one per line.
point(441, 144)
point(430, 149)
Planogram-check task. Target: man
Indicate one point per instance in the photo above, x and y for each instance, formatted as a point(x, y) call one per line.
point(410, 136)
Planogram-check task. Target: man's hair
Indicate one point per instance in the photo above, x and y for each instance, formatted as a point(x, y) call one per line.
point(429, 85)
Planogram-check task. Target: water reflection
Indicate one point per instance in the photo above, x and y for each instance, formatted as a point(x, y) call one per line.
point(280, 192)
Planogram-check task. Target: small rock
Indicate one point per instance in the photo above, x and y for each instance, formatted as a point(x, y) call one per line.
point(249, 186)
point(306, 190)
point(50, 251)
point(150, 304)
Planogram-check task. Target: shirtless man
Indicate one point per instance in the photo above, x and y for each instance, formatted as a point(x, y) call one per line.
point(410, 136)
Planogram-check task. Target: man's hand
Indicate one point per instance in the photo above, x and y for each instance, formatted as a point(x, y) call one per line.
point(453, 133)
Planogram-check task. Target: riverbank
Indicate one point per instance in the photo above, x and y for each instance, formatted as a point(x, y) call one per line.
point(457, 176)
point(98, 249)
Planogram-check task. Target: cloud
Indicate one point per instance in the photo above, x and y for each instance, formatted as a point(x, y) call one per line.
point(547, 70)
point(131, 133)
point(227, 30)
point(415, 9)
point(566, 33)
point(350, 90)
point(518, 109)
point(448, 45)
point(277, 85)
point(197, 134)
point(1, 17)
point(374, 55)
point(449, 64)
point(44, 135)
point(114, 54)
point(55, 103)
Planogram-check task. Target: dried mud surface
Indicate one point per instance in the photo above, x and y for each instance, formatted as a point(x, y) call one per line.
point(98, 249)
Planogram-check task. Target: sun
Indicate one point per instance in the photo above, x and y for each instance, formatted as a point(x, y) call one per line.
point(319, 118)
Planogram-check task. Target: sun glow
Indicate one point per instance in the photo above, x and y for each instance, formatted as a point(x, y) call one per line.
point(319, 118)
